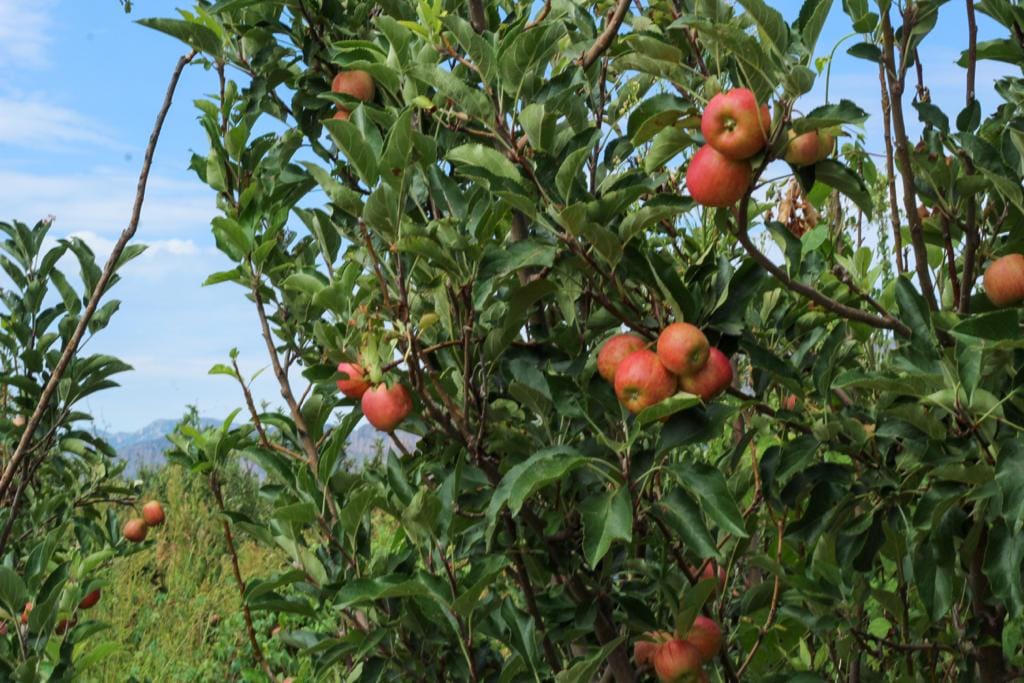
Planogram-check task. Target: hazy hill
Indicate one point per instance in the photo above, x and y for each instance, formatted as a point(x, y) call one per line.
point(147, 445)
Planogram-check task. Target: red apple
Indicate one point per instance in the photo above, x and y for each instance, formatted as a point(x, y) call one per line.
point(90, 600)
point(64, 625)
point(642, 381)
point(1004, 280)
point(385, 407)
point(355, 83)
point(809, 148)
point(153, 513)
point(356, 385)
point(135, 530)
point(25, 612)
point(712, 570)
point(683, 348)
point(645, 648)
point(713, 179)
point(706, 636)
point(714, 378)
point(677, 661)
point(614, 351)
point(734, 125)
point(789, 403)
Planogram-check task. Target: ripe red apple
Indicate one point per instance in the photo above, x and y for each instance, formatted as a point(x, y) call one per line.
point(356, 83)
point(711, 380)
point(642, 381)
point(385, 407)
point(683, 348)
point(677, 661)
point(153, 513)
point(734, 125)
point(65, 625)
point(789, 403)
point(645, 648)
point(90, 600)
point(135, 530)
point(356, 385)
point(1004, 280)
point(614, 351)
point(713, 179)
point(809, 148)
point(706, 636)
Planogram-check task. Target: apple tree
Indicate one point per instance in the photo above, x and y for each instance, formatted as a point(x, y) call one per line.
point(60, 504)
point(506, 185)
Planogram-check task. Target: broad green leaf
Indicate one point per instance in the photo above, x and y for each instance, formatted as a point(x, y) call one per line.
point(607, 517)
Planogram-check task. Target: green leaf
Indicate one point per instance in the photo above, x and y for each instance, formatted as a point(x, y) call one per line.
point(811, 20)
point(669, 406)
point(359, 150)
point(607, 517)
point(12, 590)
point(838, 176)
point(682, 515)
point(913, 309)
point(708, 484)
point(829, 115)
point(586, 671)
point(195, 35)
point(542, 468)
point(492, 161)
point(770, 21)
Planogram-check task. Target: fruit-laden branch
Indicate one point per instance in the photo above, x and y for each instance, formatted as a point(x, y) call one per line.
point(607, 36)
point(101, 285)
point(257, 653)
point(902, 144)
point(887, 322)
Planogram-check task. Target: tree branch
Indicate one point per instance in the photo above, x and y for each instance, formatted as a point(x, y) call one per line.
point(101, 284)
point(855, 314)
point(607, 36)
point(903, 161)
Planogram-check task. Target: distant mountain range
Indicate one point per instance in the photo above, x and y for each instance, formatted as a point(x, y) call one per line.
point(146, 447)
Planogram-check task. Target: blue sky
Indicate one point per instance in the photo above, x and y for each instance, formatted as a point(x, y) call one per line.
point(79, 90)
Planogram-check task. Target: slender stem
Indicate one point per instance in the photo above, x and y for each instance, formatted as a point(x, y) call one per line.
point(101, 284)
point(971, 226)
point(902, 145)
point(890, 174)
point(229, 540)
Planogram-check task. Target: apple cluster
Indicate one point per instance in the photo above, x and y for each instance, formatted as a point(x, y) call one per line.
point(384, 406)
point(684, 360)
point(735, 129)
point(1004, 280)
point(135, 529)
point(680, 658)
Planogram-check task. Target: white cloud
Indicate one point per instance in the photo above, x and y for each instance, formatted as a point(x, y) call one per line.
point(23, 32)
point(31, 123)
point(100, 201)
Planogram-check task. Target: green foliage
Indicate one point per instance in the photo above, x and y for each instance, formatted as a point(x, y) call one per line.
point(59, 517)
point(497, 212)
